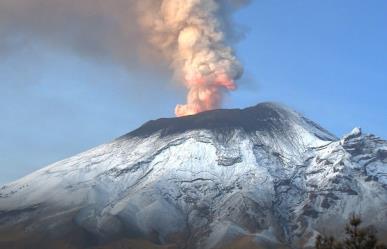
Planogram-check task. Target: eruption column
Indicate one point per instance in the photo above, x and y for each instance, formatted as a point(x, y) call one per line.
point(191, 35)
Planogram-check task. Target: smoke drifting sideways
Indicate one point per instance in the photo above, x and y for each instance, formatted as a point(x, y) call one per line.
point(190, 35)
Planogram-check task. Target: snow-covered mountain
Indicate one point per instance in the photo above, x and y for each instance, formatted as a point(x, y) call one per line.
point(261, 177)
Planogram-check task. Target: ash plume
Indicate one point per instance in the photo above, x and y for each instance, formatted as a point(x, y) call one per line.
point(190, 35)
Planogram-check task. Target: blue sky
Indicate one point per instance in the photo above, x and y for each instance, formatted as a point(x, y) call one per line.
point(326, 59)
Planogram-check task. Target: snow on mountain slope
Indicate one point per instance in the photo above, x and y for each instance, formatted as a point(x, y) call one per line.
point(264, 174)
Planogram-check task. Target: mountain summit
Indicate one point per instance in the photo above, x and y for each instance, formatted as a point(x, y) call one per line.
point(269, 117)
point(261, 177)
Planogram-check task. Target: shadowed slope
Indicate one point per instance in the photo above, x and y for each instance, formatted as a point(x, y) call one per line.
point(269, 117)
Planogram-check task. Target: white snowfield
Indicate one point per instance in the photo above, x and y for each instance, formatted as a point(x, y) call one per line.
point(284, 181)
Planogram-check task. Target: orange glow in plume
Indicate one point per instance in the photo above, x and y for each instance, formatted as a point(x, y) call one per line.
point(192, 37)
point(204, 94)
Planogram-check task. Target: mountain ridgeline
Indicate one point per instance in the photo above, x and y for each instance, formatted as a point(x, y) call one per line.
point(261, 177)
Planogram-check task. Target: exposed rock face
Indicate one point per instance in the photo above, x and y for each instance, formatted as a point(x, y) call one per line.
point(260, 177)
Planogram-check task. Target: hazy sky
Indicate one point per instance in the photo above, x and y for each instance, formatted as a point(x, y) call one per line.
point(326, 59)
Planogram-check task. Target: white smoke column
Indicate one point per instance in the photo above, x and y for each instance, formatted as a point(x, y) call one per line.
point(190, 35)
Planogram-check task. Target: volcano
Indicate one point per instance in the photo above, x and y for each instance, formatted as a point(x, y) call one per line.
point(260, 177)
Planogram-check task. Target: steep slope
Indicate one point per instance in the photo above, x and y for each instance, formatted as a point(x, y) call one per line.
point(263, 176)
